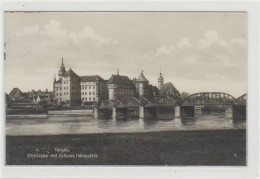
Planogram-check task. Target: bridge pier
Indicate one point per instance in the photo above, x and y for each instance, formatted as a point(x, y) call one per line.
point(229, 111)
point(239, 112)
point(187, 111)
point(119, 112)
point(98, 113)
point(177, 111)
point(149, 112)
point(114, 112)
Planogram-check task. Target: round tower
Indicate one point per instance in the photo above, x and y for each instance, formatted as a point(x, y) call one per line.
point(160, 81)
point(141, 84)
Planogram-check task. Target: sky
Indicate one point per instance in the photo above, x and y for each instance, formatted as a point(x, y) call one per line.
point(197, 52)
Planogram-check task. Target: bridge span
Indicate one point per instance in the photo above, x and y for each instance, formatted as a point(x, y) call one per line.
point(188, 107)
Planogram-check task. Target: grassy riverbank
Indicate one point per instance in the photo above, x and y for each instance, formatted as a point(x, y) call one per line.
point(217, 147)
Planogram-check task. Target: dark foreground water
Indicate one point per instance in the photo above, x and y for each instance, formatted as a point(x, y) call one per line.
point(68, 124)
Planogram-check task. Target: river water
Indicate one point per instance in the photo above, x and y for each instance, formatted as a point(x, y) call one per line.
point(76, 124)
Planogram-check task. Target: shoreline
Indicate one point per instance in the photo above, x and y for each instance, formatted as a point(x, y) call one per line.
point(130, 132)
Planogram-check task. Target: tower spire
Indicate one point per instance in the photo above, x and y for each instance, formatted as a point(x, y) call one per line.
point(62, 61)
point(117, 70)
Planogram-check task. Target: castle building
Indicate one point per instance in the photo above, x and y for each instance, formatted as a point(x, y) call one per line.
point(120, 86)
point(93, 89)
point(71, 89)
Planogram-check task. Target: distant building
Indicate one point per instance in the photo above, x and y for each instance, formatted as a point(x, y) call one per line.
point(120, 86)
point(27, 99)
point(71, 89)
point(93, 89)
point(169, 90)
point(17, 95)
point(160, 81)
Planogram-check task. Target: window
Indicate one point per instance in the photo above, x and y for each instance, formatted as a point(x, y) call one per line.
point(89, 98)
point(60, 94)
point(82, 98)
point(89, 93)
point(89, 87)
point(93, 87)
point(64, 93)
point(94, 98)
point(93, 93)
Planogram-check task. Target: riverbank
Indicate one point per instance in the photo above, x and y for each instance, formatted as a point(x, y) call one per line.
point(218, 147)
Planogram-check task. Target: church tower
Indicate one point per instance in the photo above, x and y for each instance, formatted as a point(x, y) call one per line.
point(62, 69)
point(160, 81)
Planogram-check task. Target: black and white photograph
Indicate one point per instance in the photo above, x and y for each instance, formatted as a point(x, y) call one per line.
point(126, 88)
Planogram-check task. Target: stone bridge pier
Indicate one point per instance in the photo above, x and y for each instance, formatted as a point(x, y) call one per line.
point(147, 112)
point(184, 111)
point(119, 112)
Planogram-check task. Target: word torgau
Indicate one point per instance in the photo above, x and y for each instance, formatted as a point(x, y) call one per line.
point(61, 150)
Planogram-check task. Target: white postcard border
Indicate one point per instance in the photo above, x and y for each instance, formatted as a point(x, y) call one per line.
point(251, 171)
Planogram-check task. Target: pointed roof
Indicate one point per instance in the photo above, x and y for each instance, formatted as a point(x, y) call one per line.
point(70, 72)
point(168, 89)
point(142, 78)
point(16, 92)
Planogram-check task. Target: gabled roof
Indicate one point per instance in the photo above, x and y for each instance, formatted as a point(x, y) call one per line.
point(70, 72)
point(142, 78)
point(168, 89)
point(91, 78)
point(16, 92)
point(118, 79)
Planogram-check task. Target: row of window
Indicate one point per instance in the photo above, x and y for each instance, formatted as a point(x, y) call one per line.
point(85, 93)
point(89, 98)
point(87, 87)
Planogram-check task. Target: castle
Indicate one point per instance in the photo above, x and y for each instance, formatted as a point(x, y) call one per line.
point(72, 90)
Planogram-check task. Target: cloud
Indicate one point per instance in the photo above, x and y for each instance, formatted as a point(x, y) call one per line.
point(89, 33)
point(206, 57)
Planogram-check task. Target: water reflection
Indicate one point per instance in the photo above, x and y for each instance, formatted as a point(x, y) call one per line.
point(87, 124)
point(141, 123)
point(188, 121)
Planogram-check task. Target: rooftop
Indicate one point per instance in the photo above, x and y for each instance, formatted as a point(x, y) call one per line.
point(70, 72)
point(118, 79)
point(91, 78)
point(142, 78)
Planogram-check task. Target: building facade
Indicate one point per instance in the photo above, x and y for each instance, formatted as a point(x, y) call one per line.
point(120, 86)
point(72, 90)
point(93, 89)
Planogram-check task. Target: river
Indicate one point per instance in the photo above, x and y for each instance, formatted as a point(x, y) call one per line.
point(17, 125)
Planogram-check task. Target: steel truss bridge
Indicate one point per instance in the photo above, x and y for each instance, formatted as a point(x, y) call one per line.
point(197, 99)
